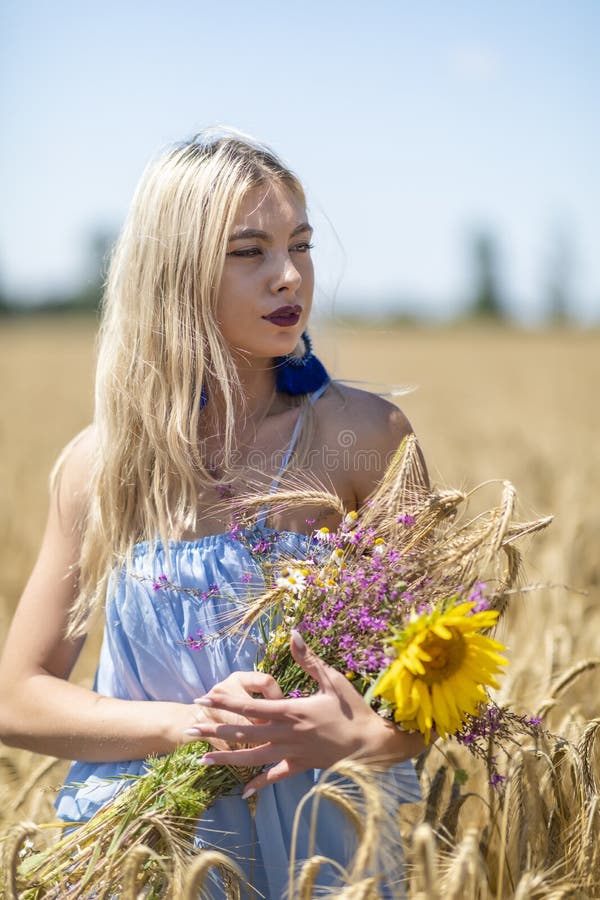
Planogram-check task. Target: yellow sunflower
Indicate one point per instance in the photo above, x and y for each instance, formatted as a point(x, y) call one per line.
point(441, 667)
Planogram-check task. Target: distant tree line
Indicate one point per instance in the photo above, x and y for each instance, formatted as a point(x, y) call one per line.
point(485, 296)
point(488, 300)
point(85, 299)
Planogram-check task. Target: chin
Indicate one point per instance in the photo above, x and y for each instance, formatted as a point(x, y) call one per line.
point(289, 348)
point(266, 350)
point(266, 347)
point(283, 343)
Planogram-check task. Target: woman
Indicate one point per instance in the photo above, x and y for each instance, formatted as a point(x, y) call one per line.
point(203, 370)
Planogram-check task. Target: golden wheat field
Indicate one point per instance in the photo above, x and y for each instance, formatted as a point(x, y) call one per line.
point(487, 404)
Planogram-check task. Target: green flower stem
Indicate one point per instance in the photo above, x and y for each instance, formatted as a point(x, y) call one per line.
point(175, 791)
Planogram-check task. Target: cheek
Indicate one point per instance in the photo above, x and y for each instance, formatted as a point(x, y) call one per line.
point(312, 280)
point(232, 321)
point(308, 280)
point(233, 300)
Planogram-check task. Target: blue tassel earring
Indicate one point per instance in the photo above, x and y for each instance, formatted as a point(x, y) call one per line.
point(300, 374)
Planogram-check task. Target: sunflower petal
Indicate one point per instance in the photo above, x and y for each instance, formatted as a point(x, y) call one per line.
point(441, 713)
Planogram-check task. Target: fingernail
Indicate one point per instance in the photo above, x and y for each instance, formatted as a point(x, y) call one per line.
point(195, 731)
point(203, 701)
point(248, 793)
point(207, 761)
point(297, 639)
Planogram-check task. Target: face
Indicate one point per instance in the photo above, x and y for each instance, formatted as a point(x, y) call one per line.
point(265, 295)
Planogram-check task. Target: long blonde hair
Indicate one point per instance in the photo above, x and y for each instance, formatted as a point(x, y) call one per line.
point(160, 346)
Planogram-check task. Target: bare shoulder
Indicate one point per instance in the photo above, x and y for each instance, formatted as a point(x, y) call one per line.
point(71, 477)
point(364, 431)
point(367, 420)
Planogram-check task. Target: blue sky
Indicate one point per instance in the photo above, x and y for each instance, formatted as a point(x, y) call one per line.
point(412, 125)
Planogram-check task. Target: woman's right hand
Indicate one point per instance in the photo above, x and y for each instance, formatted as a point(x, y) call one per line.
point(240, 685)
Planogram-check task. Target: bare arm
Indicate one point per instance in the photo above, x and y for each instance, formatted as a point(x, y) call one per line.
point(39, 709)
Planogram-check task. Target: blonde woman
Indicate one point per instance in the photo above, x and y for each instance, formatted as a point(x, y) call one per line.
point(205, 377)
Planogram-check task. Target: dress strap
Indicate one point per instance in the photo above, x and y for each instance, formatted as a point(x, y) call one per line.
point(320, 390)
point(262, 515)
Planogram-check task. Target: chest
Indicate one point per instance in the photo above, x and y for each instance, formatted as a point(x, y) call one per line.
point(280, 458)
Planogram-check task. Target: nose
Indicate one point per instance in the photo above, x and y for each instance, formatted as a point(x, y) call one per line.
point(286, 276)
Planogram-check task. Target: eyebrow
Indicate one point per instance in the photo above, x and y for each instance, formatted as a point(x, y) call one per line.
point(245, 233)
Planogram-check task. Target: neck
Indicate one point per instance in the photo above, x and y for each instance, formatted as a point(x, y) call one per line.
point(257, 379)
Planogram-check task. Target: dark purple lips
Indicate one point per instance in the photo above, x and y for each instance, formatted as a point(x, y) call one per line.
point(285, 316)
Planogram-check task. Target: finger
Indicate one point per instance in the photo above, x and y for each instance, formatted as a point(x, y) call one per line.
point(255, 683)
point(262, 684)
point(246, 706)
point(249, 756)
point(308, 660)
point(278, 772)
point(238, 733)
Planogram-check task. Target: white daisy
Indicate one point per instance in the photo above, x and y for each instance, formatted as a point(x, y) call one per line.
point(294, 581)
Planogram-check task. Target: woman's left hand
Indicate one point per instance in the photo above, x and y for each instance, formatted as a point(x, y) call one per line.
point(296, 734)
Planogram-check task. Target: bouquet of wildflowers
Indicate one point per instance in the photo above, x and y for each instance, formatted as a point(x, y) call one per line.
point(396, 599)
point(400, 598)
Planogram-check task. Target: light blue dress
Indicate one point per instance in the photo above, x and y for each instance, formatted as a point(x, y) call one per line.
point(147, 655)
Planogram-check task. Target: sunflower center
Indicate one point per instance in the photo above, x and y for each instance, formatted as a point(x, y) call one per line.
point(447, 656)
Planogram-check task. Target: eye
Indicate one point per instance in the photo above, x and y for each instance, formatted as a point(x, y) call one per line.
point(245, 252)
point(302, 247)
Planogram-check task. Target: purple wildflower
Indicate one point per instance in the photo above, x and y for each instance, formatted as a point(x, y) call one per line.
point(481, 606)
point(261, 546)
point(198, 642)
point(351, 662)
point(407, 520)
point(476, 596)
point(347, 642)
point(212, 590)
point(477, 590)
point(497, 779)
point(372, 660)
